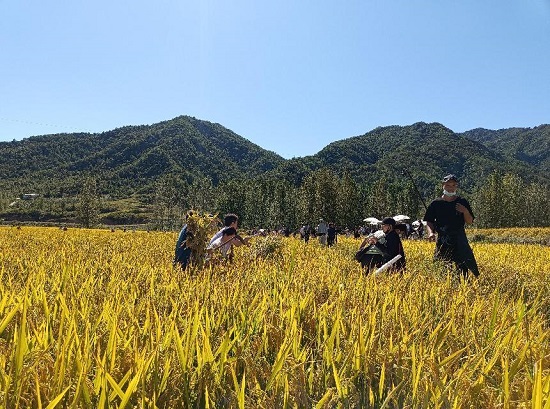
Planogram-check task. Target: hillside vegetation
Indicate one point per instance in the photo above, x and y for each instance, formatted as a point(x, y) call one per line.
point(140, 174)
point(132, 158)
point(531, 145)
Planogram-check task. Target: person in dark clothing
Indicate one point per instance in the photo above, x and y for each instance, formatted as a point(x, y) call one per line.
point(305, 232)
point(392, 245)
point(286, 231)
point(447, 216)
point(312, 232)
point(401, 230)
point(331, 235)
point(420, 229)
point(182, 254)
point(383, 249)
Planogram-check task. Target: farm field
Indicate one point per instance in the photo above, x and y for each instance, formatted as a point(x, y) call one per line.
point(523, 235)
point(93, 318)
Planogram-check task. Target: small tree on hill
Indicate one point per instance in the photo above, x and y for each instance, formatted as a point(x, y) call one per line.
point(88, 203)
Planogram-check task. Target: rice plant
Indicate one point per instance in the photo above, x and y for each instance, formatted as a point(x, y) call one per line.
point(92, 318)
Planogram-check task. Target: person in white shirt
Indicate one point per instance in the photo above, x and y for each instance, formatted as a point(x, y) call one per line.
point(223, 243)
point(230, 220)
point(322, 230)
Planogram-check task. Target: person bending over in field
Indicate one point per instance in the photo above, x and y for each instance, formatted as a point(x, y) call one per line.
point(447, 216)
point(392, 245)
point(230, 220)
point(223, 244)
point(382, 248)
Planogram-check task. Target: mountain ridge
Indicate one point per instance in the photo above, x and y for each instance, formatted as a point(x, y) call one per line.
point(518, 143)
point(134, 156)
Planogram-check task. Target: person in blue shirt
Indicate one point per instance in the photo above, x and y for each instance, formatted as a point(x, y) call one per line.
point(182, 254)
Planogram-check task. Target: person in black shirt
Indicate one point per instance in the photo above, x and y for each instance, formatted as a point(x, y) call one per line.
point(447, 216)
point(392, 247)
point(389, 247)
point(331, 235)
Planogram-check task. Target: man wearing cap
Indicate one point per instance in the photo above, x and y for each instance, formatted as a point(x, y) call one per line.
point(389, 247)
point(447, 216)
point(392, 246)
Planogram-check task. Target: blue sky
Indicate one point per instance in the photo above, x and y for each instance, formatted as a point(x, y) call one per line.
point(290, 76)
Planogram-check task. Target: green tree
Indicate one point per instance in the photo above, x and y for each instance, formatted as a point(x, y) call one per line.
point(5, 200)
point(486, 204)
point(283, 204)
point(306, 200)
point(167, 204)
point(88, 203)
point(379, 200)
point(255, 202)
point(535, 209)
point(349, 202)
point(406, 199)
point(505, 201)
point(231, 200)
point(201, 195)
point(512, 201)
point(326, 195)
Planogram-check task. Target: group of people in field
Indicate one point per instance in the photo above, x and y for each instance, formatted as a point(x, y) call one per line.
point(223, 242)
point(326, 232)
point(445, 218)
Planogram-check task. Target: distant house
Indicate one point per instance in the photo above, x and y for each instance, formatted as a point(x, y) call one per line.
point(29, 196)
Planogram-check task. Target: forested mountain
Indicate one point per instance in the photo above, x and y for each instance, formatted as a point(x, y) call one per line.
point(131, 158)
point(154, 172)
point(529, 145)
point(426, 151)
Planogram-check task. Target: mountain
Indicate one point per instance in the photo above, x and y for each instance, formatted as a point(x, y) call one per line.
point(427, 151)
point(130, 159)
point(529, 145)
point(133, 157)
point(129, 163)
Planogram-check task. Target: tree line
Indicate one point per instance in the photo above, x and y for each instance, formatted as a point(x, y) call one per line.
point(500, 201)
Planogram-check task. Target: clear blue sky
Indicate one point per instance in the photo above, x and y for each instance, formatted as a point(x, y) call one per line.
point(290, 76)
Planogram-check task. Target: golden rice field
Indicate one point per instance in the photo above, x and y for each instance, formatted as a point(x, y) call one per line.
point(523, 235)
point(99, 319)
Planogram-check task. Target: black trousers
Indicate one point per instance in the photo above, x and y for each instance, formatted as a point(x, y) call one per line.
point(457, 250)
